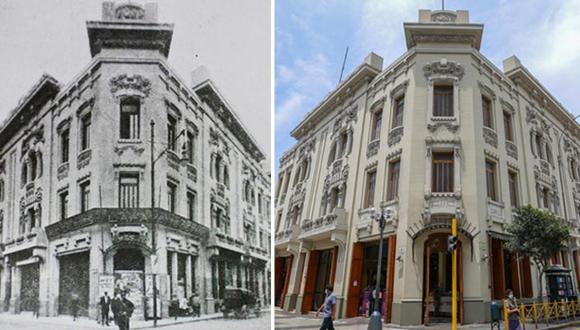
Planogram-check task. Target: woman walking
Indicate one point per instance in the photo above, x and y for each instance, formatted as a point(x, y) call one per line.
point(512, 310)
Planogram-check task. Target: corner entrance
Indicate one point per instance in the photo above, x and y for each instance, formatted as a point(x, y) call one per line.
point(437, 278)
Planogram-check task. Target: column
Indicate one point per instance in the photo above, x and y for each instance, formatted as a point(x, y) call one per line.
point(173, 274)
point(207, 280)
point(188, 274)
point(293, 286)
point(260, 288)
point(15, 290)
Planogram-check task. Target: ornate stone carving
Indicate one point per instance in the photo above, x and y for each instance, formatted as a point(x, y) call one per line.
point(135, 82)
point(395, 135)
point(511, 149)
point(373, 148)
point(84, 158)
point(445, 68)
point(120, 149)
point(443, 17)
point(62, 171)
point(129, 11)
point(490, 136)
point(191, 173)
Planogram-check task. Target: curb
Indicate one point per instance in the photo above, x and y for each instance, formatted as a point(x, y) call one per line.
point(217, 317)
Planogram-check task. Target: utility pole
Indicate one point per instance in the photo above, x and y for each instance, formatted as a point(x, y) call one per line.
point(153, 241)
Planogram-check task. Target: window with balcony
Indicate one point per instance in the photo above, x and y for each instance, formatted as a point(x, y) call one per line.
point(129, 190)
point(171, 196)
point(442, 172)
point(514, 190)
point(171, 133)
point(85, 195)
point(191, 205)
point(64, 145)
point(371, 183)
point(63, 204)
point(86, 132)
point(487, 110)
point(508, 126)
point(443, 101)
point(376, 125)
point(393, 180)
point(398, 111)
point(491, 180)
point(130, 118)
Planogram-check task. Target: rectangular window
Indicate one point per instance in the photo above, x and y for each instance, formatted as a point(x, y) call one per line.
point(376, 130)
point(507, 123)
point(171, 196)
point(491, 178)
point(1, 191)
point(398, 111)
point(130, 109)
point(513, 185)
point(190, 145)
point(85, 195)
point(63, 204)
point(487, 112)
point(443, 101)
point(442, 180)
point(546, 198)
point(171, 132)
point(191, 200)
point(129, 190)
point(393, 183)
point(343, 143)
point(86, 132)
point(370, 189)
point(64, 146)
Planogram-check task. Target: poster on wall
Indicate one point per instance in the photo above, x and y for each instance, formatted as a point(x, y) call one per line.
point(106, 284)
point(132, 283)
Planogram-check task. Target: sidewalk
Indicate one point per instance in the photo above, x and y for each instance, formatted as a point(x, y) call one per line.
point(285, 320)
point(86, 323)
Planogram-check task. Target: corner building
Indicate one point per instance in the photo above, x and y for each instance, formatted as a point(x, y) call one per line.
point(76, 183)
point(440, 131)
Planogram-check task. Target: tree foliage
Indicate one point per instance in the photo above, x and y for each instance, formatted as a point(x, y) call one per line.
point(538, 234)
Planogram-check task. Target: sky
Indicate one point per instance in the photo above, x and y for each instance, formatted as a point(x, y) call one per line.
point(311, 38)
point(232, 39)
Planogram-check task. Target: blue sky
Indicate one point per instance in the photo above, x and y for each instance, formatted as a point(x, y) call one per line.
point(311, 37)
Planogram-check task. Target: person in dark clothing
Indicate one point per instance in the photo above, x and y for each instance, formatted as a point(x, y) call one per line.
point(115, 307)
point(35, 307)
point(105, 303)
point(126, 309)
point(195, 305)
point(74, 306)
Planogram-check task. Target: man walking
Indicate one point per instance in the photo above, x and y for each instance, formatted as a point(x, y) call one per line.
point(105, 303)
point(115, 306)
point(126, 308)
point(328, 308)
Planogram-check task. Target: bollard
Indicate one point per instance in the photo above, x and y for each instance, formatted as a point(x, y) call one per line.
point(505, 315)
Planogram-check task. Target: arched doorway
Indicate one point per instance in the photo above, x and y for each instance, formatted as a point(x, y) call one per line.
point(129, 259)
point(129, 275)
point(437, 279)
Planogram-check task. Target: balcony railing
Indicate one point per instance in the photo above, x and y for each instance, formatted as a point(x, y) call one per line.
point(325, 224)
point(36, 238)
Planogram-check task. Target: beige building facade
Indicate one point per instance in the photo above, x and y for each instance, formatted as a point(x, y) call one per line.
point(76, 190)
point(439, 132)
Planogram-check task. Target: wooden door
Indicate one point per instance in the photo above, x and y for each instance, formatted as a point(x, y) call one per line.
point(390, 278)
point(310, 283)
point(354, 288)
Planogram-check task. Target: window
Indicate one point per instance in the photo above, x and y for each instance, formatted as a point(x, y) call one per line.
point(130, 109)
point(250, 234)
point(63, 204)
point(191, 205)
point(343, 143)
point(508, 127)
point(190, 144)
point(443, 101)
point(24, 173)
point(545, 195)
point(539, 148)
point(86, 132)
point(331, 155)
point(393, 183)
point(398, 111)
point(573, 170)
point(259, 203)
point(171, 133)
point(442, 172)
point(549, 157)
point(370, 189)
point(33, 166)
point(64, 146)
point(32, 217)
point(376, 129)
point(85, 194)
point(487, 112)
point(491, 178)
point(171, 196)
point(129, 190)
point(513, 186)
point(304, 170)
point(279, 221)
point(1, 190)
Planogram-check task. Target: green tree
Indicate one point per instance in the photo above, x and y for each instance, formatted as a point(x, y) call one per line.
point(538, 234)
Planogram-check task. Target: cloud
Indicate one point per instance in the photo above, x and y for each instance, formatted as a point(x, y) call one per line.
point(286, 110)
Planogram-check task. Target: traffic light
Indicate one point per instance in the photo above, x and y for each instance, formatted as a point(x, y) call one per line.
point(451, 243)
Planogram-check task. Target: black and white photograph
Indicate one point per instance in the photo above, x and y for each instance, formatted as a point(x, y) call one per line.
point(135, 164)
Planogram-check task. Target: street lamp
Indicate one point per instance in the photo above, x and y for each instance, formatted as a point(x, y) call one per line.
point(153, 219)
point(381, 215)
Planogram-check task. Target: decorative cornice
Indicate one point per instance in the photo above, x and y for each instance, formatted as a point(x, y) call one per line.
point(136, 83)
point(444, 67)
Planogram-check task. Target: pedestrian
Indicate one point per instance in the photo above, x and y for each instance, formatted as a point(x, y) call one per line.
point(105, 303)
point(126, 309)
point(35, 307)
point(115, 306)
point(195, 305)
point(512, 310)
point(328, 308)
point(74, 305)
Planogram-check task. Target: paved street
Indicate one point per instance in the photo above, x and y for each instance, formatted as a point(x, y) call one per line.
point(25, 321)
point(289, 321)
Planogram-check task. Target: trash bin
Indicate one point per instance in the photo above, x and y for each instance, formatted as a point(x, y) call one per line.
point(495, 315)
